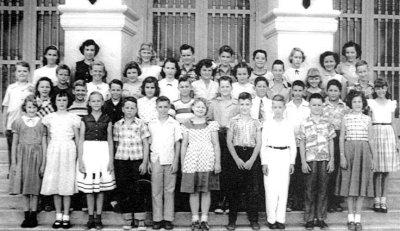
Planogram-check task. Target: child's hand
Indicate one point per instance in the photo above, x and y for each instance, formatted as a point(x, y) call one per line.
point(110, 167)
point(143, 168)
point(291, 169)
point(248, 165)
point(265, 169)
point(239, 163)
point(305, 168)
point(41, 171)
point(217, 168)
point(149, 168)
point(343, 162)
point(174, 168)
point(82, 167)
point(331, 166)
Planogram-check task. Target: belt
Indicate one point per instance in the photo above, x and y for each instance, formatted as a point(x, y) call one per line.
point(276, 147)
point(381, 123)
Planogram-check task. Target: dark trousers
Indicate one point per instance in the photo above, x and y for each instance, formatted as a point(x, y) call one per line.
point(130, 196)
point(316, 184)
point(296, 185)
point(333, 200)
point(9, 137)
point(245, 182)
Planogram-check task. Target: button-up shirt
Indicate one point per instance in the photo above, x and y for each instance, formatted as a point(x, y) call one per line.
point(169, 89)
point(292, 74)
point(202, 90)
point(223, 111)
point(335, 112)
point(267, 107)
point(244, 131)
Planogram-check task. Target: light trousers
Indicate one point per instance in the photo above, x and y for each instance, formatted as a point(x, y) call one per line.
point(163, 191)
point(276, 185)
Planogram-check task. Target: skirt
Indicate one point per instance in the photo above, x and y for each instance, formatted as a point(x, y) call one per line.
point(387, 158)
point(357, 179)
point(199, 182)
point(96, 178)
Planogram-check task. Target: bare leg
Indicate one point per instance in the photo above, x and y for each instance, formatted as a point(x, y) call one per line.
point(350, 204)
point(90, 203)
point(194, 203)
point(34, 203)
point(27, 202)
point(57, 203)
point(99, 202)
point(359, 203)
point(205, 202)
point(67, 204)
point(377, 184)
point(385, 182)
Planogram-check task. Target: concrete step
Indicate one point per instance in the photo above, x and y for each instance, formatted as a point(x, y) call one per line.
point(3, 143)
point(3, 155)
point(11, 219)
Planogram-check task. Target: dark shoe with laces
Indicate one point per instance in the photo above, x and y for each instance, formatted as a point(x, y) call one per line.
point(90, 224)
point(204, 226)
point(254, 225)
point(195, 226)
point(322, 224)
point(168, 225)
point(231, 226)
point(351, 225)
point(157, 225)
point(271, 226)
point(56, 224)
point(309, 225)
point(280, 225)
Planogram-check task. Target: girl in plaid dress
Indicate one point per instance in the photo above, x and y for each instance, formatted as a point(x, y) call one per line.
point(387, 157)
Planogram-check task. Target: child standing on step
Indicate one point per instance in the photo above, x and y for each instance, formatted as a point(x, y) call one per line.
point(385, 141)
point(355, 180)
point(28, 159)
point(95, 160)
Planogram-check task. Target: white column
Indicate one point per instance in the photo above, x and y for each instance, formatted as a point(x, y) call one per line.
point(288, 24)
point(111, 23)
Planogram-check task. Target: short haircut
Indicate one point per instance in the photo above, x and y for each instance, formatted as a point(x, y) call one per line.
point(116, 81)
point(244, 96)
point(163, 99)
point(334, 82)
point(99, 63)
point(79, 83)
point(381, 83)
point(186, 47)
point(326, 54)
point(241, 65)
point(316, 96)
point(87, 43)
point(279, 98)
point(202, 100)
point(29, 98)
point(278, 62)
point(299, 83)
point(352, 44)
point(261, 79)
point(62, 93)
point(259, 51)
point(184, 78)
point(51, 93)
point(150, 79)
point(63, 67)
point(23, 64)
point(352, 94)
point(206, 63)
point(176, 64)
point(132, 65)
point(51, 47)
point(360, 63)
point(294, 50)
point(129, 99)
point(226, 48)
point(225, 78)
point(312, 73)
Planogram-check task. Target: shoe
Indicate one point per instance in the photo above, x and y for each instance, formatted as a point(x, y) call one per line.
point(48, 208)
point(322, 224)
point(195, 225)
point(33, 222)
point(204, 226)
point(271, 226)
point(66, 224)
point(377, 207)
point(168, 225)
point(254, 225)
point(25, 224)
point(135, 223)
point(383, 208)
point(231, 226)
point(309, 225)
point(351, 226)
point(339, 209)
point(226, 211)
point(218, 211)
point(141, 225)
point(157, 225)
point(280, 225)
point(84, 209)
point(127, 225)
point(358, 226)
point(331, 209)
point(97, 223)
point(289, 209)
point(56, 224)
point(90, 224)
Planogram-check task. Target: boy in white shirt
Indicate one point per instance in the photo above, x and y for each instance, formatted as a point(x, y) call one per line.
point(261, 108)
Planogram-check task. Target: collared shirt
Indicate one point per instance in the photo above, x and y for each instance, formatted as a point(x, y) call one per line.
point(292, 74)
point(190, 73)
point(13, 99)
point(296, 114)
point(367, 89)
point(335, 112)
point(267, 108)
point(223, 111)
point(45, 107)
point(96, 129)
point(147, 109)
point(267, 74)
point(316, 135)
point(169, 89)
point(130, 139)
point(326, 77)
point(79, 109)
point(277, 134)
point(132, 89)
point(239, 88)
point(244, 131)
point(163, 138)
point(183, 110)
point(30, 121)
point(309, 92)
point(114, 111)
point(284, 91)
point(229, 72)
point(103, 88)
point(202, 90)
point(356, 126)
point(348, 70)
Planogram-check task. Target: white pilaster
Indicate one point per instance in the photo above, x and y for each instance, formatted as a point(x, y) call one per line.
point(111, 23)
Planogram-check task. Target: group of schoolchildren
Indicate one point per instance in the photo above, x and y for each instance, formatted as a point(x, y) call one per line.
point(215, 128)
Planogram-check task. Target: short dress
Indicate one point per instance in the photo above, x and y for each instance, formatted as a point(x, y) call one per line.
point(26, 178)
point(198, 165)
point(95, 157)
point(357, 179)
point(387, 158)
point(59, 174)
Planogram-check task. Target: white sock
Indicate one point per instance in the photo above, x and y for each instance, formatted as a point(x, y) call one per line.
point(65, 217)
point(350, 217)
point(59, 216)
point(357, 218)
point(383, 200)
point(377, 200)
point(204, 217)
point(195, 217)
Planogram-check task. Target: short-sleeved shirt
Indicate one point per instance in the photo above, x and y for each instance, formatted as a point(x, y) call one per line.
point(45, 71)
point(163, 138)
point(96, 129)
point(292, 74)
point(130, 139)
point(382, 113)
point(267, 74)
point(169, 89)
point(114, 111)
point(222, 112)
point(201, 90)
point(147, 109)
point(45, 107)
point(103, 88)
point(335, 113)
point(229, 72)
point(244, 131)
point(316, 135)
point(132, 89)
point(239, 88)
point(367, 89)
point(183, 110)
point(284, 91)
point(348, 71)
point(78, 108)
point(357, 126)
point(190, 73)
